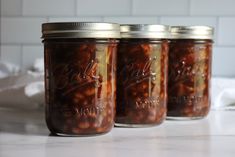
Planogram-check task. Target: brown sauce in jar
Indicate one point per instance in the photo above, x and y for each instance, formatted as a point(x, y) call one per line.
point(189, 78)
point(80, 85)
point(141, 82)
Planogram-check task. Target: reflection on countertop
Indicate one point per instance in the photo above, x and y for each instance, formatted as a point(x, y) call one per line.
point(24, 133)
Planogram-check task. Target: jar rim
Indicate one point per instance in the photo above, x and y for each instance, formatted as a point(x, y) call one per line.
point(191, 32)
point(80, 30)
point(145, 31)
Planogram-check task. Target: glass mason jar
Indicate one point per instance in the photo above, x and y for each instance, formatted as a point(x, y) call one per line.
point(80, 81)
point(189, 79)
point(142, 60)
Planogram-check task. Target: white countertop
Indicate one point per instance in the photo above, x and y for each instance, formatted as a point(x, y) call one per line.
point(25, 134)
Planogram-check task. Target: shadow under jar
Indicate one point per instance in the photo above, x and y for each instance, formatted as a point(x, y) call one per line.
point(80, 83)
point(142, 61)
point(189, 79)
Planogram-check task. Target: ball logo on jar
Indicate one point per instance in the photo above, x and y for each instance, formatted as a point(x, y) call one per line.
point(183, 72)
point(87, 110)
point(69, 77)
point(138, 72)
point(148, 103)
point(188, 100)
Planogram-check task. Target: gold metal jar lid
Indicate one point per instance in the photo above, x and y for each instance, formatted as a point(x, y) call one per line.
point(145, 31)
point(192, 32)
point(80, 30)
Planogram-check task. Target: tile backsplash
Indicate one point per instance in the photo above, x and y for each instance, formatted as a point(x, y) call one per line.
point(21, 23)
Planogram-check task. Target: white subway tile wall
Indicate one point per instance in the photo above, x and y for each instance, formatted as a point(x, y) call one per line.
point(226, 32)
point(21, 30)
point(133, 20)
point(12, 54)
point(223, 61)
point(160, 7)
point(29, 54)
point(48, 8)
point(179, 20)
point(69, 19)
point(11, 7)
point(212, 7)
point(103, 7)
point(21, 23)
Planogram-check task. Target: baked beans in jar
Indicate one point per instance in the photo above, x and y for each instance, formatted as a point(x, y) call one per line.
point(80, 80)
point(190, 56)
point(142, 60)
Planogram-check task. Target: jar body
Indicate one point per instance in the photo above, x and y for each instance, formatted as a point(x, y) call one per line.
point(80, 85)
point(142, 82)
point(189, 78)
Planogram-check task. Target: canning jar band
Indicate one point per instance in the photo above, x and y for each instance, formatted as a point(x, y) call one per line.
point(197, 41)
point(144, 31)
point(78, 34)
point(143, 40)
point(191, 32)
point(80, 30)
point(82, 40)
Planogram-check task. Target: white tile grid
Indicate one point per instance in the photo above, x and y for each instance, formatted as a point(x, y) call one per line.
point(48, 7)
point(12, 54)
point(132, 20)
point(226, 31)
point(21, 21)
point(11, 7)
point(81, 19)
point(21, 30)
point(223, 61)
point(103, 7)
point(212, 7)
point(29, 54)
point(160, 7)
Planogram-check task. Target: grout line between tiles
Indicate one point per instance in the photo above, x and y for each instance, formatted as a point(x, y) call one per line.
point(217, 31)
point(75, 8)
point(22, 6)
point(21, 58)
point(189, 7)
point(132, 7)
